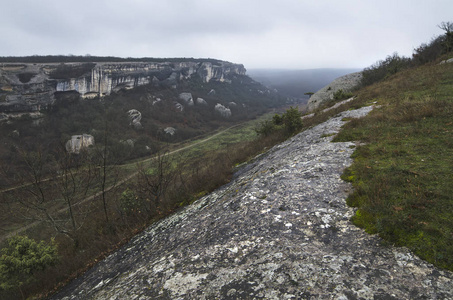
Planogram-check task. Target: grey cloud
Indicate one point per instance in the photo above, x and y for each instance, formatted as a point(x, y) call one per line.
point(258, 33)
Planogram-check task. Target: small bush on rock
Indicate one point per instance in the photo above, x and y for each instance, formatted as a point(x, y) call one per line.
point(290, 122)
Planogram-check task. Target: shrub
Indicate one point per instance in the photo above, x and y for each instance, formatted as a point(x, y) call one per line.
point(22, 258)
point(290, 122)
point(384, 68)
point(341, 95)
point(130, 203)
point(428, 52)
point(266, 128)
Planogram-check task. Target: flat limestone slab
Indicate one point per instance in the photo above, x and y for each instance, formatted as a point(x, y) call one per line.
point(279, 230)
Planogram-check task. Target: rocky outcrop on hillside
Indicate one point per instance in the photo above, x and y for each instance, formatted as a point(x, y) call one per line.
point(347, 83)
point(135, 117)
point(30, 87)
point(222, 110)
point(279, 230)
point(79, 142)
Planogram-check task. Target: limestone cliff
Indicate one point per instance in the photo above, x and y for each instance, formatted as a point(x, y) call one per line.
point(29, 87)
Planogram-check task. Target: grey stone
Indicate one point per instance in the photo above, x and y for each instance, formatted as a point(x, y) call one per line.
point(135, 117)
point(279, 230)
point(201, 101)
point(187, 98)
point(347, 83)
point(170, 130)
point(447, 61)
point(222, 110)
point(79, 142)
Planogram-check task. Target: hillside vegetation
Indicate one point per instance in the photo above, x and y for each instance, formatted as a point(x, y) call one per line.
point(402, 175)
point(87, 205)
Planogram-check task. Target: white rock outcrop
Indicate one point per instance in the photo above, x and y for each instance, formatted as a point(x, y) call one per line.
point(187, 98)
point(79, 142)
point(170, 130)
point(280, 229)
point(447, 61)
point(135, 117)
point(347, 83)
point(179, 106)
point(201, 101)
point(222, 110)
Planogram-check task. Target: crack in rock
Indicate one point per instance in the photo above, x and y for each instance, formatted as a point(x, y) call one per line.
point(279, 230)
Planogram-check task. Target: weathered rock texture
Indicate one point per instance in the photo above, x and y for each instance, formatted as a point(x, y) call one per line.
point(79, 142)
point(279, 230)
point(135, 117)
point(222, 110)
point(347, 83)
point(29, 87)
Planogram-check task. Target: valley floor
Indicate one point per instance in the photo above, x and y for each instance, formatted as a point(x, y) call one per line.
point(279, 230)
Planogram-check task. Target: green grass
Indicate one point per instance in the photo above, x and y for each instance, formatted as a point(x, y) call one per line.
point(403, 175)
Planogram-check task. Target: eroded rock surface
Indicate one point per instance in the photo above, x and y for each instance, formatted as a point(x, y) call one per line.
point(347, 83)
point(79, 142)
point(222, 110)
point(279, 230)
point(32, 86)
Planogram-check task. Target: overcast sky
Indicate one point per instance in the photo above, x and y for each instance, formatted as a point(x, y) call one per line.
point(295, 34)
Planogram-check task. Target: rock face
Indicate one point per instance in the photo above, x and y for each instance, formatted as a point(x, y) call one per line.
point(187, 98)
point(279, 230)
point(201, 101)
point(135, 117)
point(347, 83)
point(30, 87)
point(222, 110)
point(170, 130)
point(447, 61)
point(79, 142)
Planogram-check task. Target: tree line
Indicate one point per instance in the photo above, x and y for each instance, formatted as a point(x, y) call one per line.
point(425, 53)
point(89, 58)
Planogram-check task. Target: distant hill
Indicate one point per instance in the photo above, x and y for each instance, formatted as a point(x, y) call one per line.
point(295, 83)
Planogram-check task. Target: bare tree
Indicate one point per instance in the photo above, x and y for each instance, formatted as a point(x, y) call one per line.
point(448, 28)
point(49, 189)
point(74, 181)
point(105, 162)
point(35, 199)
point(156, 180)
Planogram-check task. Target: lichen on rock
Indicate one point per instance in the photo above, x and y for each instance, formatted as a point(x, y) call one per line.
point(280, 230)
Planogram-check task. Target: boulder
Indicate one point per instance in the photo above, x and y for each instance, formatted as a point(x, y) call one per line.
point(170, 130)
point(201, 101)
point(135, 117)
point(129, 142)
point(79, 142)
point(447, 61)
point(156, 101)
point(222, 110)
point(347, 83)
point(187, 98)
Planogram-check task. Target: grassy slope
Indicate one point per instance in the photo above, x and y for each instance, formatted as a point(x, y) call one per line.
point(403, 175)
